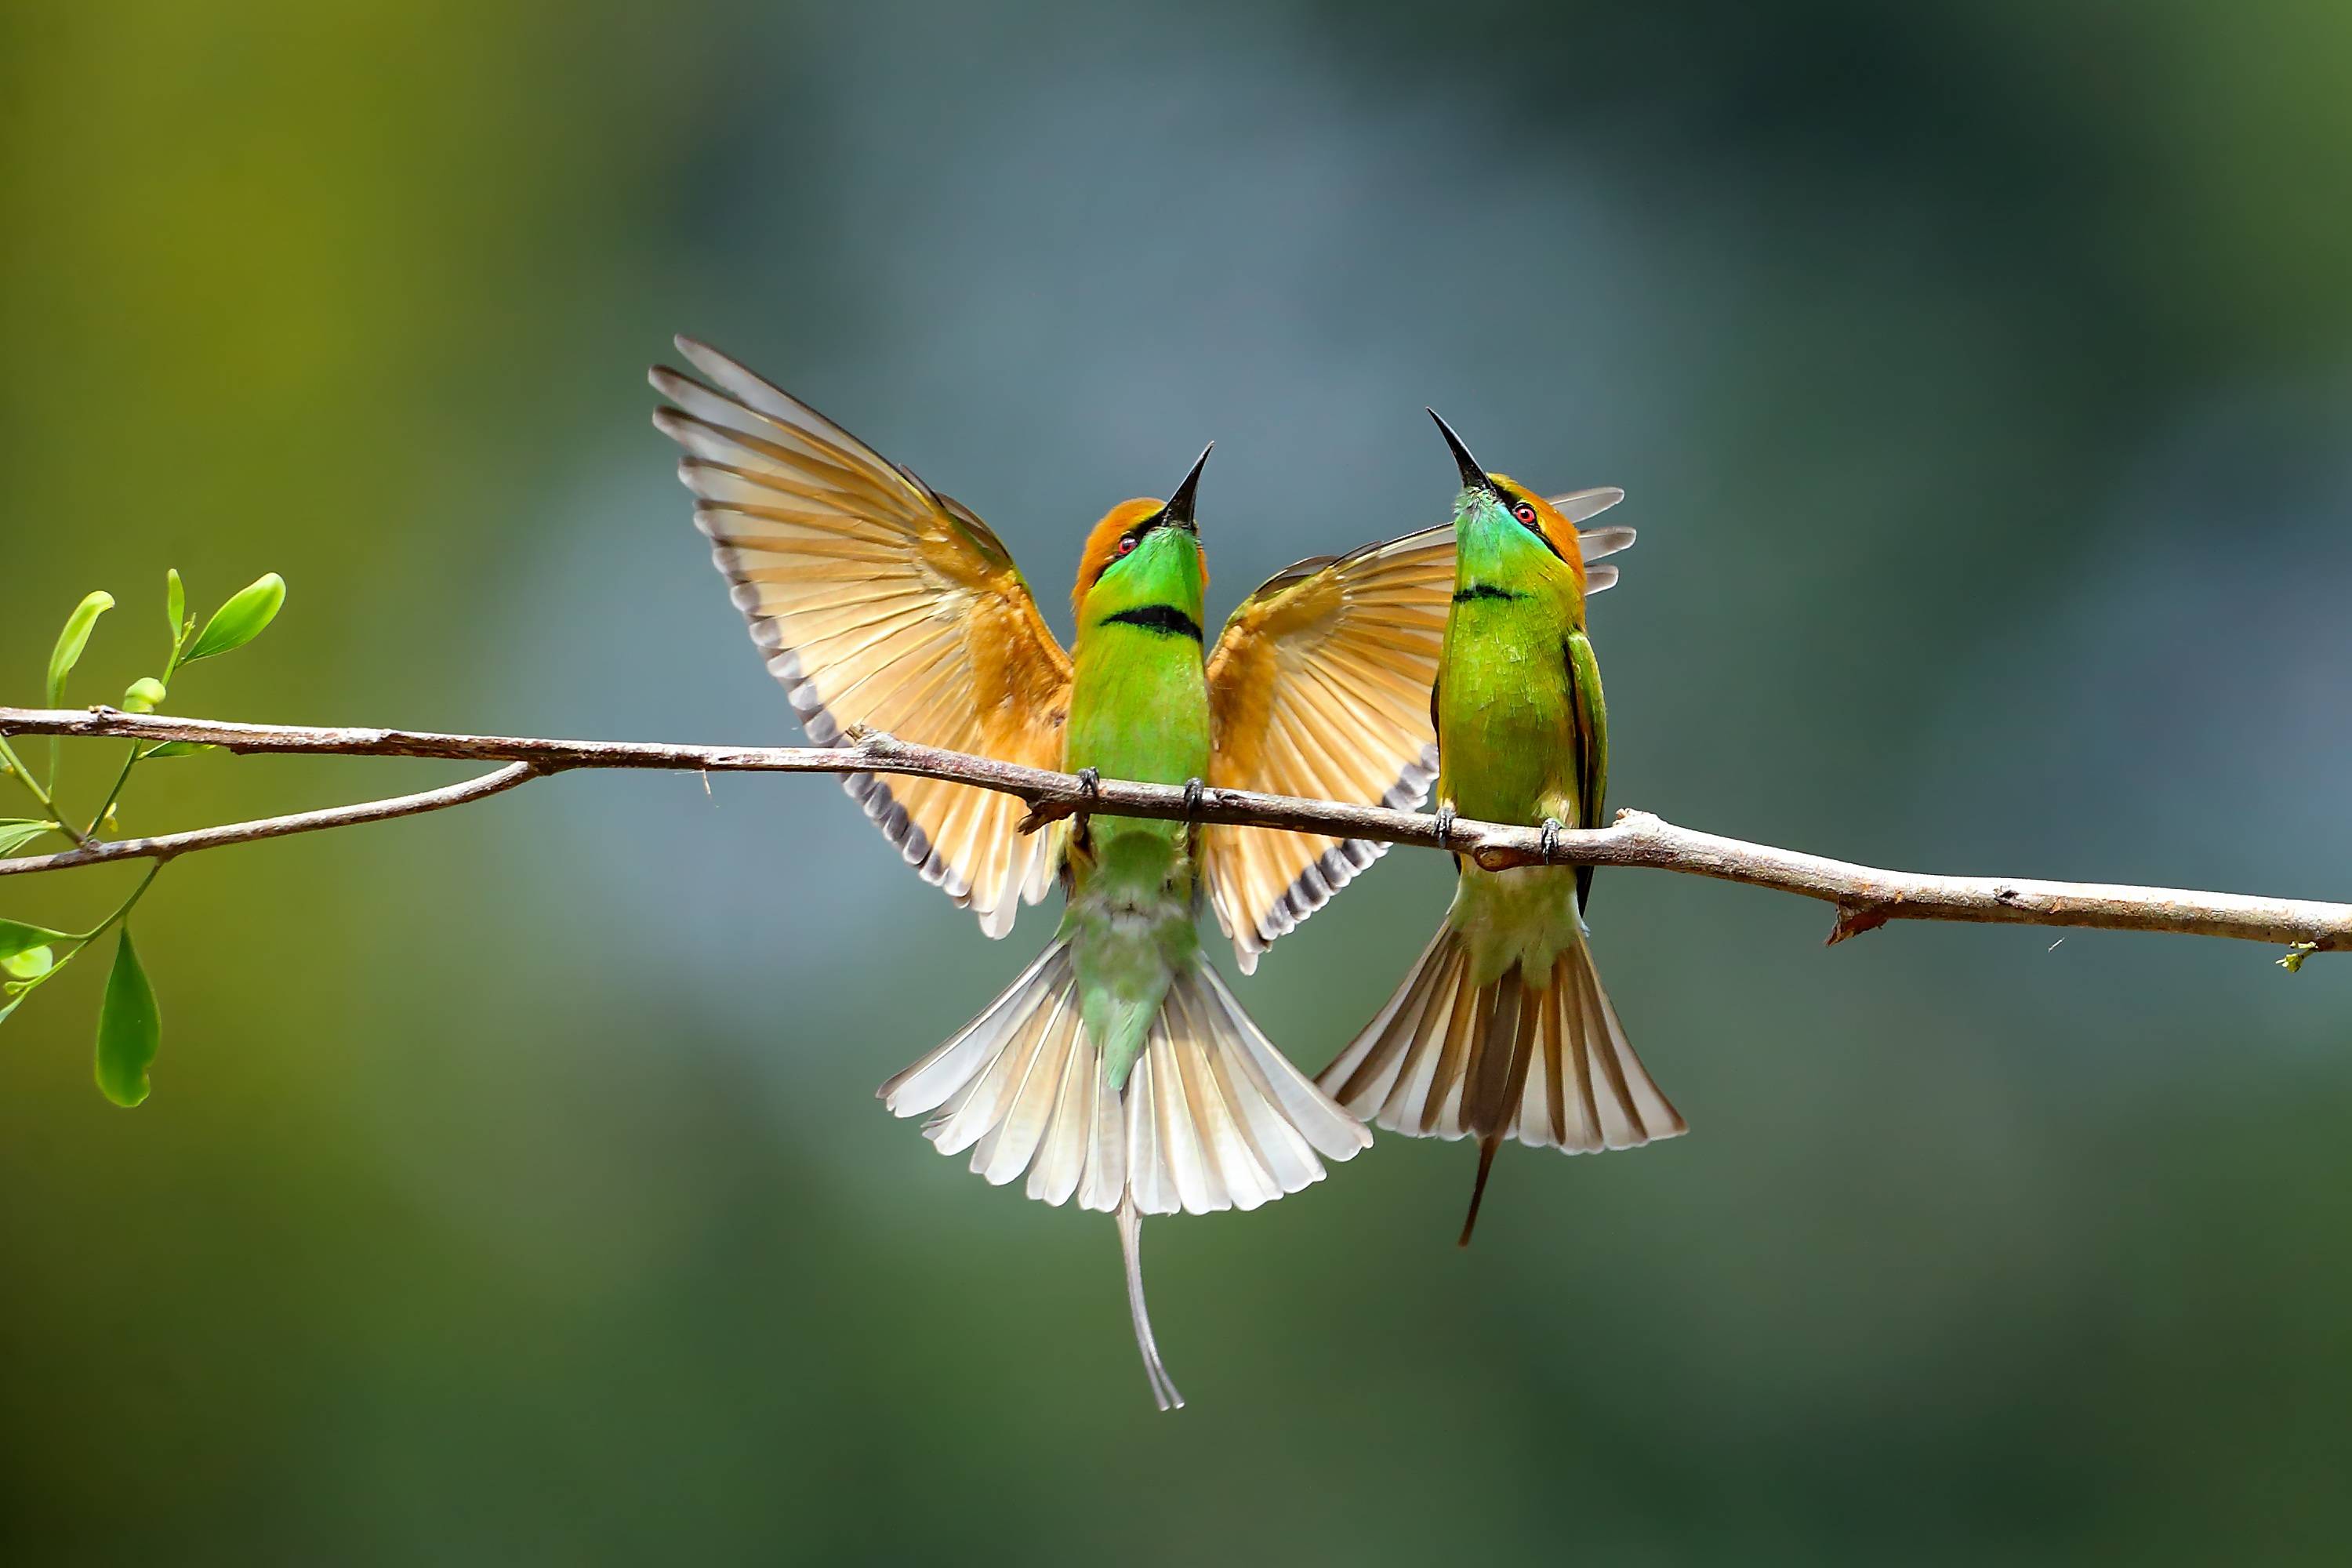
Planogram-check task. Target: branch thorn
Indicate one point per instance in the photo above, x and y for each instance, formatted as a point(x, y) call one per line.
point(1852, 920)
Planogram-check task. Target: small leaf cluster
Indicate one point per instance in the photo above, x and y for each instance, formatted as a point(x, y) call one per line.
point(130, 1026)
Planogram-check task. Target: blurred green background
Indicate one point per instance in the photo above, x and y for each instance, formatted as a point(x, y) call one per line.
point(513, 1189)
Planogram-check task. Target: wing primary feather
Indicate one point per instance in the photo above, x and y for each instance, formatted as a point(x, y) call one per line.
point(876, 602)
point(1593, 544)
point(1579, 505)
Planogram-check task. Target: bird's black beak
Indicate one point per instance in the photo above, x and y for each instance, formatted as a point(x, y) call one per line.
point(1178, 513)
point(1473, 478)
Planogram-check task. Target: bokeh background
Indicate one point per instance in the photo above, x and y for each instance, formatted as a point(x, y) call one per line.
point(512, 1189)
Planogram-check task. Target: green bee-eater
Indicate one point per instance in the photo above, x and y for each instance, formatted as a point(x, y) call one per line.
point(1502, 1030)
point(1119, 1068)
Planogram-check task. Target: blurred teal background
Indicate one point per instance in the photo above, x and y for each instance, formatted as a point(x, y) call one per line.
point(512, 1191)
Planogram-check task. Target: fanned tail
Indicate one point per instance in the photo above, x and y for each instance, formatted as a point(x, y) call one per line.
point(1212, 1116)
point(1539, 1058)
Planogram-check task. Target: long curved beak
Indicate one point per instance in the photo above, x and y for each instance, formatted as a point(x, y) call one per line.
point(1473, 478)
point(1179, 509)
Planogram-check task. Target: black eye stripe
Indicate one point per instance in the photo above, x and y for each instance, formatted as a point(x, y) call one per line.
point(1524, 512)
point(1141, 530)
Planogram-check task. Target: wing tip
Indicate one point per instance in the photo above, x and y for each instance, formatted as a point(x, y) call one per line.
point(888, 813)
point(701, 355)
point(1576, 506)
point(1316, 883)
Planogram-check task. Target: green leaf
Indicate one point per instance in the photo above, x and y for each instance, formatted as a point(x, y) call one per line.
point(15, 993)
point(73, 640)
point(178, 749)
point(30, 964)
point(16, 937)
point(144, 695)
point(15, 832)
point(175, 605)
point(128, 1028)
point(240, 620)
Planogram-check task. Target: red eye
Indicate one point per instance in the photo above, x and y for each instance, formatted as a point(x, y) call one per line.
point(1524, 511)
point(1126, 544)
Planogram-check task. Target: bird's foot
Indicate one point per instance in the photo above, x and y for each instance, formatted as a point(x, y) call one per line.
point(1193, 790)
point(1444, 825)
point(1551, 841)
point(1089, 791)
point(1044, 810)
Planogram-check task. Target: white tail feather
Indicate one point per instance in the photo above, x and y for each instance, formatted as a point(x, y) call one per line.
point(1212, 1116)
point(1415, 1067)
point(1540, 1058)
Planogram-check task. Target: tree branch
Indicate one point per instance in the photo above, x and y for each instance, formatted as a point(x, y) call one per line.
point(173, 844)
point(1864, 897)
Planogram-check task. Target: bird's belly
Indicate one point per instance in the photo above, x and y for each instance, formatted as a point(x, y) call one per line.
point(1506, 742)
point(1144, 716)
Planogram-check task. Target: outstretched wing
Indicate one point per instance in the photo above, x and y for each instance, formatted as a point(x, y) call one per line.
point(1320, 686)
point(879, 604)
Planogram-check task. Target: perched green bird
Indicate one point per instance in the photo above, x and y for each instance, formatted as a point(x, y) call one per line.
point(1501, 1029)
point(1119, 1068)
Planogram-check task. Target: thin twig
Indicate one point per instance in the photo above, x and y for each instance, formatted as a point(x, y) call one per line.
point(170, 845)
point(1864, 896)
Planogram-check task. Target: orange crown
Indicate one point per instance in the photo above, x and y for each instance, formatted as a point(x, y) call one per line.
point(1102, 545)
point(1557, 529)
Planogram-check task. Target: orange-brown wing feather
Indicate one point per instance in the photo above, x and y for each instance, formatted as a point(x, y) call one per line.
point(1320, 686)
point(879, 604)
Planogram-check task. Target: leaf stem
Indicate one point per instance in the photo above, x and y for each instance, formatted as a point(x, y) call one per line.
point(58, 962)
point(123, 910)
point(99, 817)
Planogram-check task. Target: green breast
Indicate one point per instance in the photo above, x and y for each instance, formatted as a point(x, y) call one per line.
point(1139, 709)
point(1504, 722)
